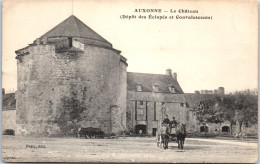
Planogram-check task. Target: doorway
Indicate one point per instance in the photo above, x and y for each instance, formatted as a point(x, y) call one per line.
point(140, 127)
point(154, 131)
point(225, 129)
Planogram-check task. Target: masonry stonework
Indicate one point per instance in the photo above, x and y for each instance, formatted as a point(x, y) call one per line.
point(62, 88)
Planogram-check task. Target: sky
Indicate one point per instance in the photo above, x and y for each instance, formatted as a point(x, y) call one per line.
point(205, 54)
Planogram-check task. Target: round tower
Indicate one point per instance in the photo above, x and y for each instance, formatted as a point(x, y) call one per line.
point(70, 78)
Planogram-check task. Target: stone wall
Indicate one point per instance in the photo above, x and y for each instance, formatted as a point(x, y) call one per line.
point(8, 120)
point(122, 93)
point(60, 92)
point(145, 108)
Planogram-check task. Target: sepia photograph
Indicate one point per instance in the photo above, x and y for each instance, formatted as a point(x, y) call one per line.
point(130, 81)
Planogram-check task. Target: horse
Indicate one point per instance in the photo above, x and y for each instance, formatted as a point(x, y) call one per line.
point(164, 135)
point(181, 134)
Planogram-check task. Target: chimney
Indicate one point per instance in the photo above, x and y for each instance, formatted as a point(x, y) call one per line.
point(168, 71)
point(174, 75)
point(221, 91)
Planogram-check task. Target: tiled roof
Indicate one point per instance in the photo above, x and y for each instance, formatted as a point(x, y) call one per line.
point(147, 81)
point(73, 27)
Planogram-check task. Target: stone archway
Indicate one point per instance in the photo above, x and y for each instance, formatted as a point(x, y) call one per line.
point(140, 127)
point(204, 129)
point(225, 129)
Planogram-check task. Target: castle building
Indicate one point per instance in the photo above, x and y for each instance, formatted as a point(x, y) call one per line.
point(71, 77)
point(68, 78)
point(219, 91)
point(147, 94)
point(150, 97)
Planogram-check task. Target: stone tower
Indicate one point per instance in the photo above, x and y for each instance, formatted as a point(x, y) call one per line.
point(68, 78)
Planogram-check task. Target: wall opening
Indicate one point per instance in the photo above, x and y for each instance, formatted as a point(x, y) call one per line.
point(225, 129)
point(204, 129)
point(140, 127)
point(154, 131)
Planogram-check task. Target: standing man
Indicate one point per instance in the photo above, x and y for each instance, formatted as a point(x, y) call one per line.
point(140, 132)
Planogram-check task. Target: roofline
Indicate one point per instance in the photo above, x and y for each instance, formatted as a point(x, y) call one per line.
point(149, 73)
point(76, 37)
point(155, 92)
point(105, 41)
point(94, 45)
point(91, 29)
point(110, 48)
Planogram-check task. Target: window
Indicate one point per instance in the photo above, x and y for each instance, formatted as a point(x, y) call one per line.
point(141, 103)
point(155, 88)
point(181, 104)
point(139, 88)
point(172, 89)
point(154, 131)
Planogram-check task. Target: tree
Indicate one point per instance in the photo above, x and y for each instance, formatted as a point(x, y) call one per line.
point(226, 105)
point(239, 107)
point(246, 108)
point(207, 111)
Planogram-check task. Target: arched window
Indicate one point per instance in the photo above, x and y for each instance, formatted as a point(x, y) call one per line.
point(204, 129)
point(140, 129)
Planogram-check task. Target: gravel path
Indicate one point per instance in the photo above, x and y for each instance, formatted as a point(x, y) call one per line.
point(131, 149)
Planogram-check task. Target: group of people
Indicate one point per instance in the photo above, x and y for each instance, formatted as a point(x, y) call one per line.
point(171, 124)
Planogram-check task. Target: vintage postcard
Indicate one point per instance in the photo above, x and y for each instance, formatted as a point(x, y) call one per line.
point(130, 81)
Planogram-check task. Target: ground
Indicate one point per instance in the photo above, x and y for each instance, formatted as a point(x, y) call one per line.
point(130, 149)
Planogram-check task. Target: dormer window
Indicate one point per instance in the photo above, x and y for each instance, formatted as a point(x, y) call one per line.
point(139, 88)
point(155, 88)
point(184, 105)
point(172, 89)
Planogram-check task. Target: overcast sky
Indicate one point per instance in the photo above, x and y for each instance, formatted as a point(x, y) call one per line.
point(205, 54)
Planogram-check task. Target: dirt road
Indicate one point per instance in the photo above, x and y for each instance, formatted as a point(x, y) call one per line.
point(131, 149)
